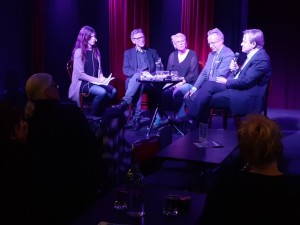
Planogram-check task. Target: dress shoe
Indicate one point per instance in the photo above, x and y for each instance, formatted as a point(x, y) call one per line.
point(185, 121)
point(157, 122)
point(121, 106)
point(129, 124)
point(136, 124)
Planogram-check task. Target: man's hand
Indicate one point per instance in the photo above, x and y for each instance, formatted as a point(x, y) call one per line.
point(233, 66)
point(221, 80)
point(190, 93)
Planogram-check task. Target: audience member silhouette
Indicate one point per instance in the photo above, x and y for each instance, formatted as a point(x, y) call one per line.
point(13, 134)
point(260, 193)
point(63, 153)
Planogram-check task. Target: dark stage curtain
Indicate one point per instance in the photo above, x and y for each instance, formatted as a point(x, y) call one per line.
point(197, 18)
point(279, 27)
point(37, 36)
point(124, 16)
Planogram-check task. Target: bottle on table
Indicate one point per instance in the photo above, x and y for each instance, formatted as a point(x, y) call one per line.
point(135, 189)
point(159, 66)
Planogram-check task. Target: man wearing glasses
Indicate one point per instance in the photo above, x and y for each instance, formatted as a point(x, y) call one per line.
point(137, 60)
point(218, 61)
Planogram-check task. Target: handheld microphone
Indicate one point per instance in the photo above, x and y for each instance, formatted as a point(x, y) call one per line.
point(236, 56)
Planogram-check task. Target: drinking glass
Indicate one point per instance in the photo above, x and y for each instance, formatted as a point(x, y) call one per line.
point(174, 74)
point(159, 75)
point(171, 205)
point(203, 127)
point(166, 73)
point(120, 202)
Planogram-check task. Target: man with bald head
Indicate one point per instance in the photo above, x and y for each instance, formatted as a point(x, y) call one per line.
point(63, 152)
point(41, 86)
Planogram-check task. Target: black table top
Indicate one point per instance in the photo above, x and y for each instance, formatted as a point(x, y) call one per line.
point(184, 148)
point(161, 80)
point(161, 83)
point(154, 203)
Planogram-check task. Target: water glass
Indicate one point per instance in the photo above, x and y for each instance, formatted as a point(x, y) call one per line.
point(166, 73)
point(120, 202)
point(174, 74)
point(159, 75)
point(171, 207)
point(203, 128)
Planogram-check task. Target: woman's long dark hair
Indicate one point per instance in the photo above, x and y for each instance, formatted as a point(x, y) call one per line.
point(83, 37)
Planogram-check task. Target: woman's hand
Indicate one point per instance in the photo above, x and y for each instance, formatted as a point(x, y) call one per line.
point(107, 80)
point(103, 80)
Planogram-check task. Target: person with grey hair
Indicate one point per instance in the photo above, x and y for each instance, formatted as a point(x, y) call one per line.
point(62, 154)
point(138, 59)
point(185, 62)
point(217, 65)
point(245, 92)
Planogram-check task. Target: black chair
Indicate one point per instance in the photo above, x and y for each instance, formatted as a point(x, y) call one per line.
point(84, 103)
point(143, 152)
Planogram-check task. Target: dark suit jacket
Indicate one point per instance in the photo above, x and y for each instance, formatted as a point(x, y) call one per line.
point(130, 64)
point(247, 92)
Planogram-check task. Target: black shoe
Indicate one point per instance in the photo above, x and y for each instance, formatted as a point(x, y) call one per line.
point(136, 124)
point(185, 121)
point(129, 124)
point(121, 106)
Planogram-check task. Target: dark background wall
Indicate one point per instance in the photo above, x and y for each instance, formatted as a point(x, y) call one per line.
point(279, 20)
point(15, 50)
point(63, 19)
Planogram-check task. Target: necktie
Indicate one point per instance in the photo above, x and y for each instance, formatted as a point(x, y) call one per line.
point(242, 67)
point(212, 67)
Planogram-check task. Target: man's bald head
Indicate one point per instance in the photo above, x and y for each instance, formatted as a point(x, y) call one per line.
point(41, 86)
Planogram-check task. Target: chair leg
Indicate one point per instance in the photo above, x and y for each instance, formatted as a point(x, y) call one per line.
point(81, 101)
point(209, 122)
point(130, 108)
point(225, 118)
point(237, 121)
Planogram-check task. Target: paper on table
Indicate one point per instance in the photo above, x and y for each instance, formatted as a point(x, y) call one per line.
point(208, 144)
point(106, 81)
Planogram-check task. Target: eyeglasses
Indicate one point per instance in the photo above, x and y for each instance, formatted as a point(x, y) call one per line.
point(54, 86)
point(179, 42)
point(214, 42)
point(139, 38)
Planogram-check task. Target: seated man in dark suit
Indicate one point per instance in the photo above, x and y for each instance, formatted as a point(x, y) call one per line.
point(136, 60)
point(62, 152)
point(245, 91)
